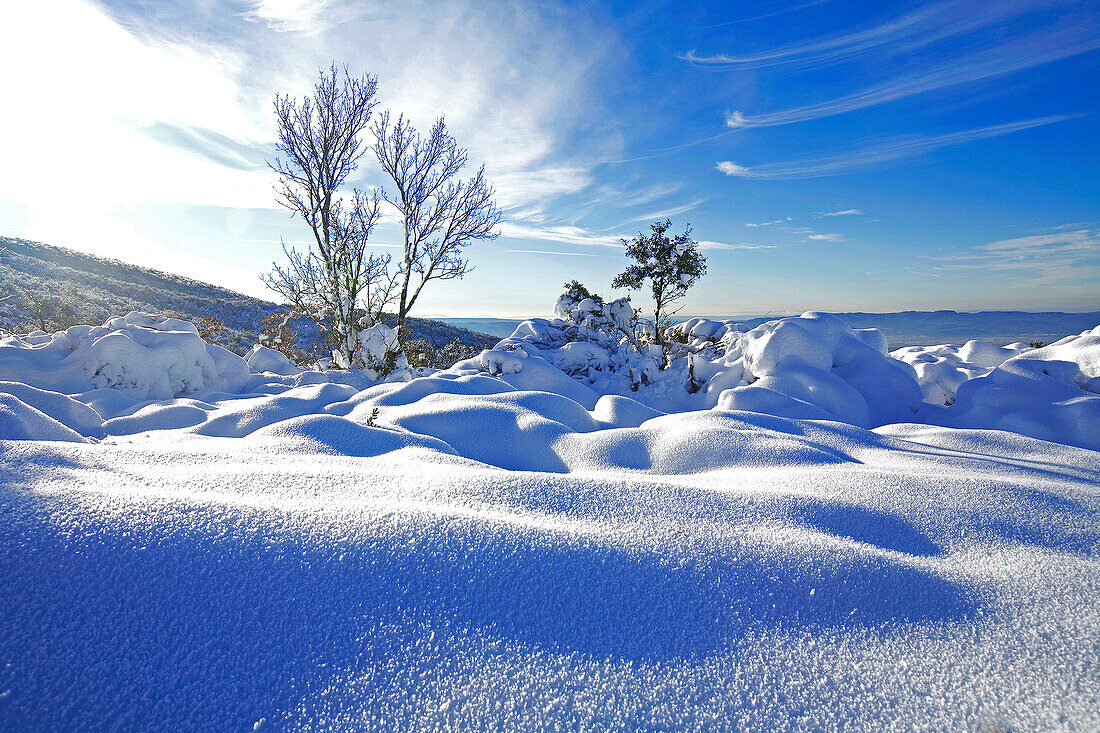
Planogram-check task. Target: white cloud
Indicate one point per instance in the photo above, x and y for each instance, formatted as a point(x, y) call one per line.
point(842, 212)
point(565, 234)
point(670, 211)
point(290, 15)
point(1011, 57)
point(732, 169)
point(825, 237)
point(887, 150)
point(120, 111)
point(1059, 257)
point(707, 244)
point(735, 119)
point(917, 28)
point(580, 236)
point(550, 252)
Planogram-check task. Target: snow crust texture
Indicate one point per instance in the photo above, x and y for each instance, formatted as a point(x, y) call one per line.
point(526, 542)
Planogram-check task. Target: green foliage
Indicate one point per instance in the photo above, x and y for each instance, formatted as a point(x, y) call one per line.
point(577, 291)
point(679, 337)
point(372, 421)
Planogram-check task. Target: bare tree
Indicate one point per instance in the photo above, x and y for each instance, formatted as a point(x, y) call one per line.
point(320, 147)
point(441, 213)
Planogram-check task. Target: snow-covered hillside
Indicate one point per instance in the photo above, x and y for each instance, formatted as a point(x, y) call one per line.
point(786, 529)
point(46, 287)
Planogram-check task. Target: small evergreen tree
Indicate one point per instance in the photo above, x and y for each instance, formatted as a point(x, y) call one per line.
point(576, 290)
point(671, 265)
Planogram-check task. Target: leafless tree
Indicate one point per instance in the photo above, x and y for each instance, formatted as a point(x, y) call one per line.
point(320, 147)
point(441, 213)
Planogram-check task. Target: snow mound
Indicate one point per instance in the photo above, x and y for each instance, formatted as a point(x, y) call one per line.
point(329, 434)
point(698, 332)
point(941, 370)
point(704, 571)
point(20, 421)
point(263, 359)
point(71, 413)
point(814, 366)
point(695, 442)
point(1051, 393)
point(142, 356)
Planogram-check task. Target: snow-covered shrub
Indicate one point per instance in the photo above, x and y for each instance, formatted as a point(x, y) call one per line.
point(262, 359)
point(422, 353)
point(941, 370)
point(144, 356)
point(815, 366)
point(375, 350)
point(277, 334)
point(507, 360)
point(702, 337)
point(1052, 393)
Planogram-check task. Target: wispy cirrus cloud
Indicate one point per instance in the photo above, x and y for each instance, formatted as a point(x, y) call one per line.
point(895, 149)
point(308, 16)
point(550, 252)
point(560, 233)
point(731, 169)
point(1078, 35)
point(842, 212)
point(1051, 258)
point(762, 16)
point(710, 245)
point(825, 237)
point(671, 210)
point(587, 238)
point(920, 27)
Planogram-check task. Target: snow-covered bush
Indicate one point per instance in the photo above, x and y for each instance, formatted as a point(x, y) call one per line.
point(144, 356)
point(812, 366)
point(375, 350)
point(592, 340)
point(423, 354)
point(262, 359)
point(942, 369)
point(1052, 393)
point(701, 336)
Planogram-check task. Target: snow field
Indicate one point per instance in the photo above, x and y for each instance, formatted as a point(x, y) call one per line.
point(898, 580)
point(802, 543)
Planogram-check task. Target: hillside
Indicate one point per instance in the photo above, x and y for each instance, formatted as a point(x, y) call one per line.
point(50, 288)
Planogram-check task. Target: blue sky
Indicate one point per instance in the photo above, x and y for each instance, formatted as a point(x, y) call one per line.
point(829, 154)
